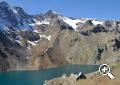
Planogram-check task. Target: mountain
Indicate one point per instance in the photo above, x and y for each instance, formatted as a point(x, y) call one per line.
point(31, 42)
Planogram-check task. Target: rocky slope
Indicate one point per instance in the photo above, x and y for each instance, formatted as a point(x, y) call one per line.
point(31, 42)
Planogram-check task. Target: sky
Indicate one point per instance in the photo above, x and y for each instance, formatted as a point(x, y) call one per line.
point(100, 9)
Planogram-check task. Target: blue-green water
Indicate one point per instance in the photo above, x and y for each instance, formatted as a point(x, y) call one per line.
point(38, 77)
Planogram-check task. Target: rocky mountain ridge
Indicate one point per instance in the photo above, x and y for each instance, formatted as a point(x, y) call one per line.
point(31, 42)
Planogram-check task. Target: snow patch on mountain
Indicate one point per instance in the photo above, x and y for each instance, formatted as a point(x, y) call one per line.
point(54, 12)
point(46, 21)
point(18, 42)
point(36, 31)
point(72, 22)
point(14, 10)
point(47, 37)
point(95, 22)
point(32, 43)
point(7, 30)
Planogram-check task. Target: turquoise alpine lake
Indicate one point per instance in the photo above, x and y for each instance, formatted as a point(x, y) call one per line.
point(38, 77)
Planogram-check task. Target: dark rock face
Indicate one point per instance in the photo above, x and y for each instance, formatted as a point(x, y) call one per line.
point(98, 54)
point(7, 14)
point(116, 45)
point(65, 27)
point(4, 40)
point(30, 35)
point(98, 29)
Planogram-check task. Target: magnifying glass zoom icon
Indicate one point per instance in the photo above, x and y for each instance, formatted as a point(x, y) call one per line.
point(110, 75)
point(104, 69)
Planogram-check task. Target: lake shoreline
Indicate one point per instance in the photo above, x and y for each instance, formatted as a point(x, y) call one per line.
point(29, 70)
